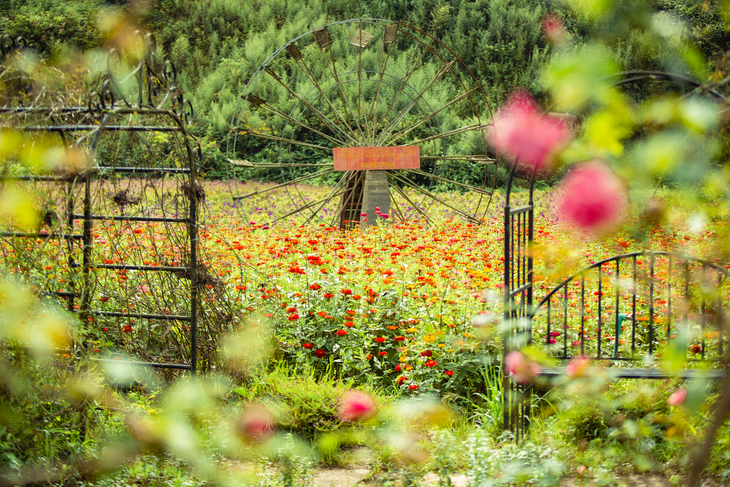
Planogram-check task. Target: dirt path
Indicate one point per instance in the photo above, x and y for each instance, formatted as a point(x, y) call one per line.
point(349, 477)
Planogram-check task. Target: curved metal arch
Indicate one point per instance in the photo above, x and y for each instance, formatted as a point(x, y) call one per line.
point(515, 404)
point(585, 270)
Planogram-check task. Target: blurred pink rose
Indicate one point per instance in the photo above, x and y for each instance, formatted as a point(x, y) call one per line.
point(525, 135)
point(577, 367)
point(256, 424)
point(355, 405)
point(677, 397)
point(520, 368)
point(553, 28)
point(593, 198)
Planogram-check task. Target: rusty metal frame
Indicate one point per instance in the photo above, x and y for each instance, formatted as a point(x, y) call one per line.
point(155, 98)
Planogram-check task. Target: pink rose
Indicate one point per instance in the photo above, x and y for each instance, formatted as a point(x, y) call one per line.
point(520, 368)
point(593, 198)
point(677, 397)
point(577, 367)
point(256, 424)
point(523, 134)
point(355, 405)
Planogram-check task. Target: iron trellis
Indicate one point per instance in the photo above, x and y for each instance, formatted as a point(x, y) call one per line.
point(128, 170)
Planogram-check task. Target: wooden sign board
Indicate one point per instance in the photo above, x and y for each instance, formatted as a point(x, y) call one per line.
point(377, 158)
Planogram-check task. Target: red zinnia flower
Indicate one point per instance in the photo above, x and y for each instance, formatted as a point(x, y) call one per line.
point(449, 373)
point(401, 380)
point(382, 353)
point(329, 295)
point(127, 329)
point(341, 333)
point(308, 346)
point(413, 387)
point(320, 353)
point(315, 287)
point(398, 368)
point(430, 363)
point(399, 339)
point(346, 292)
point(380, 339)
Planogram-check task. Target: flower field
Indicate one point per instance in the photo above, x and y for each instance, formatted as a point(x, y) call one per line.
point(406, 305)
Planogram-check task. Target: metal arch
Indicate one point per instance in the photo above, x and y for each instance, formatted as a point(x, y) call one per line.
point(516, 398)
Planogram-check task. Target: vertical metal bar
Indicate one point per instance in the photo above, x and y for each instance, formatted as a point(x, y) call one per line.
point(600, 300)
point(633, 310)
point(520, 249)
point(549, 307)
point(507, 422)
point(686, 291)
point(193, 278)
point(70, 244)
point(565, 320)
point(617, 334)
point(704, 305)
point(530, 262)
point(651, 305)
point(87, 248)
point(582, 312)
point(720, 313)
point(669, 299)
point(512, 257)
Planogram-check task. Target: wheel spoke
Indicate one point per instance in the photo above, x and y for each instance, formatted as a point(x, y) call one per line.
point(329, 197)
point(414, 205)
point(428, 117)
point(396, 207)
point(388, 39)
point(445, 69)
point(410, 183)
point(293, 181)
point(476, 159)
point(285, 140)
point(321, 116)
point(270, 165)
point(356, 177)
point(447, 180)
point(310, 76)
point(409, 72)
point(266, 106)
point(305, 207)
point(450, 133)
